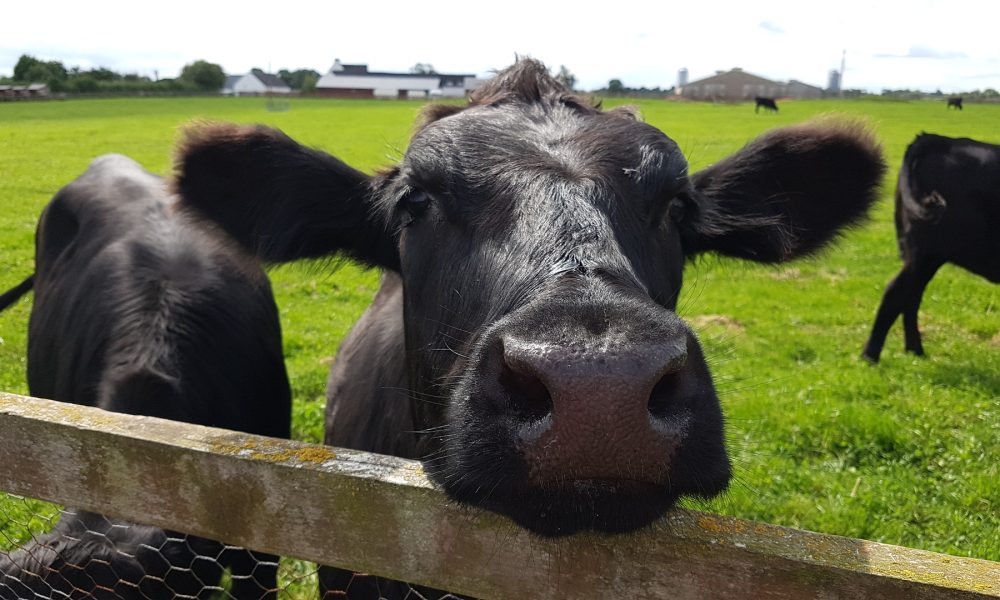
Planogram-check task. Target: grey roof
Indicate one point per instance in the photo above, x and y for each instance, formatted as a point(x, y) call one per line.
point(353, 69)
point(271, 81)
point(733, 74)
point(341, 69)
point(796, 82)
point(231, 81)
point(31, 87)
point(454, 80)
point(407, 75)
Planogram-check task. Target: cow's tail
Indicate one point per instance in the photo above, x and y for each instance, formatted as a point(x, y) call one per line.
point(929, 206)
point(933, 206)
point(14, 294)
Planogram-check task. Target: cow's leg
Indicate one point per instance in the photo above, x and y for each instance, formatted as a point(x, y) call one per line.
point(902, 292)
point(888, 310)
point(372, 414)
point(922, 276)
point(254, 575)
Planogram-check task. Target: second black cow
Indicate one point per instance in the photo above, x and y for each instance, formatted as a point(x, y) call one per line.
point(140, 310)
point(947, 211)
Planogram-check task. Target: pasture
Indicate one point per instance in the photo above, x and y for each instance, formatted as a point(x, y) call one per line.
point(904, 452)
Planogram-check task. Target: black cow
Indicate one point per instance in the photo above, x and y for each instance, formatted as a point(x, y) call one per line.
point(140, 310)
point(955, 103)
point(947, 211)
point(524, 342)
point(765, 103)
point(91, 556)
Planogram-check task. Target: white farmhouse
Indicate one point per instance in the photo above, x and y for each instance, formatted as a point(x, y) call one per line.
point(356, 81)
point(255, 83)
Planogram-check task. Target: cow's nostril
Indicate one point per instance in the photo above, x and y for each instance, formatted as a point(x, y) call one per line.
point(661, 399)
point(529, 399)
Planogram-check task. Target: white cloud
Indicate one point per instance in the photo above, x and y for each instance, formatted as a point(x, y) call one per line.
point(925, 52)
point(772, 27)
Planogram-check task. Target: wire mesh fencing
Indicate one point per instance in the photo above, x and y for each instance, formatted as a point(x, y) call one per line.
point(47, 552)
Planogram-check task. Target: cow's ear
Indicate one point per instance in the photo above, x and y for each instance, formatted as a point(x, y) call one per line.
point(279, 199)
point(785, 194)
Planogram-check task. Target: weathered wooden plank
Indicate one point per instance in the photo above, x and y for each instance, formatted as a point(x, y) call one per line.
point(380, 515)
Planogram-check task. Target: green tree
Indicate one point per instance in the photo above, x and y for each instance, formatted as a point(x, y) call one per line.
point(29, 69)
point(203, 75)
point(423, 69)
point(24, 63)
point(299, 79)
point(615, 86)
point(84, 83)
point(565, 77)
point(103, 74)
point(309, 83)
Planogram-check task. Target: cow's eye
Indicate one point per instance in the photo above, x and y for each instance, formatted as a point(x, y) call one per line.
point(415, 202)
point(676, 209)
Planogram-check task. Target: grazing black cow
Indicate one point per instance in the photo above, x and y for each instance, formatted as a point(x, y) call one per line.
point(765, 103)
point(947, 211)
point(140, 310)
point(524, 342)
point(955, 103)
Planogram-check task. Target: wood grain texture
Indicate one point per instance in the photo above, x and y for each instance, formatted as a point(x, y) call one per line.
point(381, 515)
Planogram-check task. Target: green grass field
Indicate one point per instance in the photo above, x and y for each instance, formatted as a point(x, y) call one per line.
point(905, 452)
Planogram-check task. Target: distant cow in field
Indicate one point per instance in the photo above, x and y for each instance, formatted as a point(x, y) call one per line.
point(955, 103)
point(138, 309)
point(524, 342)
point(947, 211)
point(765, 103)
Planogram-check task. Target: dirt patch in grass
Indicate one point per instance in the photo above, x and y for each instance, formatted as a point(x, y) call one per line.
point(786, 274)
point(730, 324)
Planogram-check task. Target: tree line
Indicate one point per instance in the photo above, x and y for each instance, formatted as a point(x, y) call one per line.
point(198, 76)
point(615, 87)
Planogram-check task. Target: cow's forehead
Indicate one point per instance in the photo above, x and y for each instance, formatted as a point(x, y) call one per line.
point(517, 140)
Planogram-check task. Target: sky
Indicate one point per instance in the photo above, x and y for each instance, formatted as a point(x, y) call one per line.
point(916, 44)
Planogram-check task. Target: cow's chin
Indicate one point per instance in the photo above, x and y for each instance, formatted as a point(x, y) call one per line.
point(601, 505)
point(606, 506)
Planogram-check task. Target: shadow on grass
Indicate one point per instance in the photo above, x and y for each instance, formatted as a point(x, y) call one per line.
point(971, 377)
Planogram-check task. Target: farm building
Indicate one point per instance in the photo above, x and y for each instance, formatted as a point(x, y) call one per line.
point(736, 84)
point(797, 89)
point(356, 81)
point(254, 83)
point(24, 92)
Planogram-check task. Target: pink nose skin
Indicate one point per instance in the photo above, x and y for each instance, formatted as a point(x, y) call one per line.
point(607, 404)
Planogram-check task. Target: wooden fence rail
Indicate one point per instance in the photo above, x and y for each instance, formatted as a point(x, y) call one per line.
point(380, 515)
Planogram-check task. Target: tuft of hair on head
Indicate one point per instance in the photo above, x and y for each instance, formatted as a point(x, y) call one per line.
point(527, 81)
